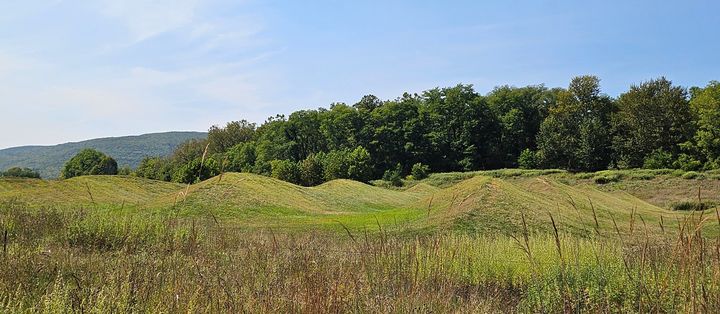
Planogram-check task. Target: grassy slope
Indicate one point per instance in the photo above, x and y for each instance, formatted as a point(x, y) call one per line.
point(261, 201)
point(105, 190)
point(477, 202)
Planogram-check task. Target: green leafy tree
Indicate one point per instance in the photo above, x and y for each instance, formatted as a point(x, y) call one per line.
point(272, 144)
point(464, 131)
point(235, 132)
point(197, 170)
point(520, 111)
point(156, 168)
point(359, 165)
point(336, 164)
point(706, 105)
point(241, 157)
point(304, 129)
point(343, 127)
point(17, 172)
point(658, 159)
point(687, 162)
point(188, 151)
point(399, 133)
point(576, 134)
point(653, 115)
point(89, 162)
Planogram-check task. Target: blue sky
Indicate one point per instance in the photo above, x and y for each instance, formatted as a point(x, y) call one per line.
point(73, 70)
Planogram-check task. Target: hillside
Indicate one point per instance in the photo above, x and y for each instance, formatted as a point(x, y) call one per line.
point(127, 150)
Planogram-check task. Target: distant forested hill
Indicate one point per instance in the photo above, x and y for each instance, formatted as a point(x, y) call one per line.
point(127, 150)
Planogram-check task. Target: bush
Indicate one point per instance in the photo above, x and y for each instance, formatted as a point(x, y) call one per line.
point(692, 205)
point(420, 171)
point(196, 171)
point(17, 172)
point(89, 162)
point(394, 176)
point(687, 163)
point(528, 159)
point(312, 170)
point(125, 171)
point(286, 170)
point(607, 178)
point(658, 159)
point(692, 175)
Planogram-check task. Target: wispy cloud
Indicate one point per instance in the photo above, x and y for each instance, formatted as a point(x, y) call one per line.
point(145, 19)
point(173, 64)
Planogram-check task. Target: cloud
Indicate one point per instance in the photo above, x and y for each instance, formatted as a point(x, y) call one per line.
point(146, 18)
point(174, 65)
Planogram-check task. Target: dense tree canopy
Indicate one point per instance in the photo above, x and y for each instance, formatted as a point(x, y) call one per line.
point(17, 172)
point(655, 124)
point(576, 133)
point(89, 162)
point(652, 116)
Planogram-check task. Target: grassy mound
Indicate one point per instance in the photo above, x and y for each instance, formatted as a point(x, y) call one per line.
point(490, 204)
point(478, 203)
point(84, 191)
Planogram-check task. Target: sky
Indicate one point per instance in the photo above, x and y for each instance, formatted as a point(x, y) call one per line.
point(81, 69)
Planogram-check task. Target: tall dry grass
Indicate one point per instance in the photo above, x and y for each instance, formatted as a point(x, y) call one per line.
point(83, 261)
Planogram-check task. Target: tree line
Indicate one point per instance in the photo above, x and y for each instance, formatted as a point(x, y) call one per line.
point(655, 124)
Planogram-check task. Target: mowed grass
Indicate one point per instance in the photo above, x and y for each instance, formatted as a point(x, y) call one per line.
point(481, 202)
point(84, 191)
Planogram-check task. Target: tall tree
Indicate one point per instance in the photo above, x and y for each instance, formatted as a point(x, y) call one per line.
point(706, 105)
point(399, 134)
point(520, 112)
point(304, 129)
point(464, 130)
point(654, 115)
point(576, 134)
point(234, 132)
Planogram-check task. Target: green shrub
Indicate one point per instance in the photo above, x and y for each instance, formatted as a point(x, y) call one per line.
point(420, 171)
point(687, 163)
point(286, 170)
point(312, 170)
point(607, 178)
point(394, 176)
point(693, 175)
point(692, 206)
point(528, 159)
point(658, 159)
point(197, 170)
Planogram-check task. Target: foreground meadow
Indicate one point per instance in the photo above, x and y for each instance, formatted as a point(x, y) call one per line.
point(507, 241)
point(62, 261)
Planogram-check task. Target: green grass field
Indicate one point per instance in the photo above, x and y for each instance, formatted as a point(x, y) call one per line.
point(477, 202)
point(495, 241)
